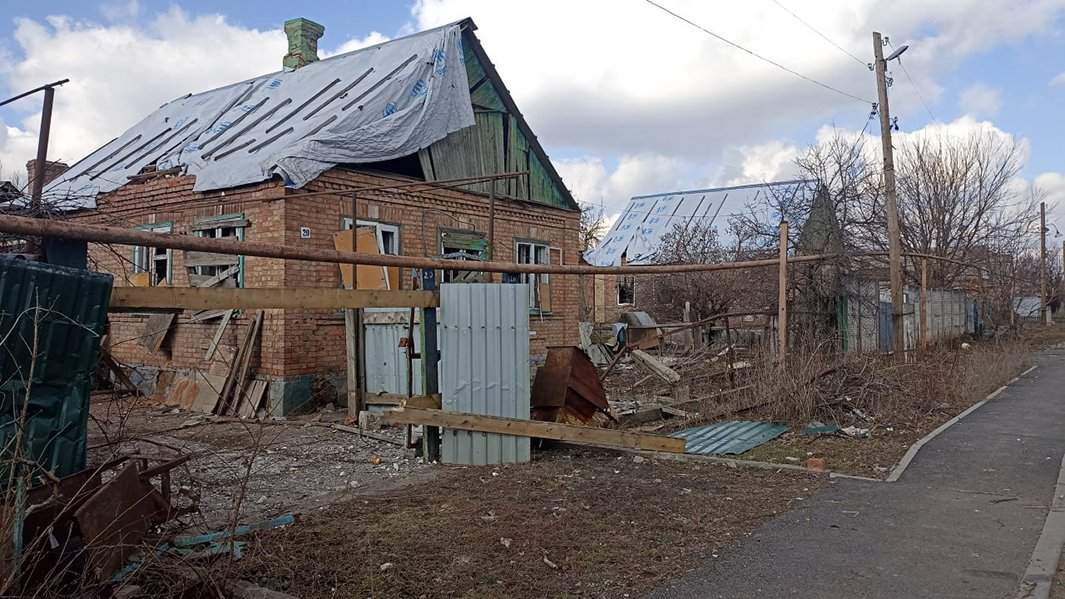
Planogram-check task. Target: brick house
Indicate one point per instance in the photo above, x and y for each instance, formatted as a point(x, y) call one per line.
point(425, 107)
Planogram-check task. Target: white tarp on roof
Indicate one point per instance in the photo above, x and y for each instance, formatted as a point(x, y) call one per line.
point(637, 234)
point(374, 104)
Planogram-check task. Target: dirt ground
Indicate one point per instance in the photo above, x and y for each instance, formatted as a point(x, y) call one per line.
point(293, 465)
point(571, 523)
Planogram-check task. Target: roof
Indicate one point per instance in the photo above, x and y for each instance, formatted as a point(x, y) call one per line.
point(374, 104)
point(637, 233)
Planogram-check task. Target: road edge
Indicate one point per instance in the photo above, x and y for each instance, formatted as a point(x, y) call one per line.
point(1038, 579)
point(911, 453)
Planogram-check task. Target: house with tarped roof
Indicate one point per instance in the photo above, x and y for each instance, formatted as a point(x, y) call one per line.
point(249, 160)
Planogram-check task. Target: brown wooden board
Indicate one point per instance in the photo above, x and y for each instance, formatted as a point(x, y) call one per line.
point(194, 258)
point(157, 326)
point(252, 398)
point(582, 435)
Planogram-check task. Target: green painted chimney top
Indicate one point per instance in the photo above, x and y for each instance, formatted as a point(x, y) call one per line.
point(303, 37)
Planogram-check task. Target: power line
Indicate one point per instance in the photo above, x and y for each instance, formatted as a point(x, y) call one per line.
point(915, 87)
point(823, 36)
point(757, 55)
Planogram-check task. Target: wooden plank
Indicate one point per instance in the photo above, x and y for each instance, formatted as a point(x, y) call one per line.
point(252, 398)
point(664, 372)
point(582, 435)
point(431, 402)
point(352, 328)
point(196, 280)
point(218, 278)
point(235, 376)
point(157, 326)
point(211, 349)
point(367, 277)
point(132, 299)
point(194, 258)
point(215, 224)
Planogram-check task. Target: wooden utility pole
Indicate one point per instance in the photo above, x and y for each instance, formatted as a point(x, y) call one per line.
point(1043, 312)
point(353, 326)
point(891, 204)
point(782, 296)
point(924, 304)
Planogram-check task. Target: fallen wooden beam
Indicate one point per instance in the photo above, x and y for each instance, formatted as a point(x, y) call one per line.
point(581, 435)
point(132, 299)
point(400, 401)
point(654, 365)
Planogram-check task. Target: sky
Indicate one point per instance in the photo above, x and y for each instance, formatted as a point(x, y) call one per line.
point(626, 99)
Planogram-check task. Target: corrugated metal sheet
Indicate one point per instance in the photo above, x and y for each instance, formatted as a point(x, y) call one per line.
point(386, 361)
point(730, 437)
point(638, 232)
point(73, 318)
point(484, 367)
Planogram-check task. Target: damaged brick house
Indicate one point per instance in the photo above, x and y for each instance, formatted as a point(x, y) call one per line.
point(234, 162)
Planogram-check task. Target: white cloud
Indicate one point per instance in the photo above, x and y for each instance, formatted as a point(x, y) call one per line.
point(374, 38)
point(1058, 81)
point(640, 81)
point(120, 72)
point(759, 163)
point(981, 100)
point(591, 182)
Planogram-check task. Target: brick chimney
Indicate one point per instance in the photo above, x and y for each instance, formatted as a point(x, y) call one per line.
point(303, 37)
point(52, 169)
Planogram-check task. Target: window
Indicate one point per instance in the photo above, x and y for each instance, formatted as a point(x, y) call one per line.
point(532, 252)
point(217, 269)
point(626, 290)
point(462, 245)
point(387, 235)
point(153, 262)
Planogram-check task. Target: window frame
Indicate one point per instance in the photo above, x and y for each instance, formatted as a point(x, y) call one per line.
point(233, 220)
point(380, 229)
point(617, 290)
point(447, 275)
point(534, 280)
point(150, 257)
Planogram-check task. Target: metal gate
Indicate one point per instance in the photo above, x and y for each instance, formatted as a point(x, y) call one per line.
point(484, 367)
point(385, 357)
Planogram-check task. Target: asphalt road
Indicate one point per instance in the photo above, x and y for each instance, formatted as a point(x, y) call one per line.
point(961, 522)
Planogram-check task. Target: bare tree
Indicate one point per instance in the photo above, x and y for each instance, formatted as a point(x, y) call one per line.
point(592, 226)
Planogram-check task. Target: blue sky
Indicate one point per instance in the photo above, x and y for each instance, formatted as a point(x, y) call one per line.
point(626, 99)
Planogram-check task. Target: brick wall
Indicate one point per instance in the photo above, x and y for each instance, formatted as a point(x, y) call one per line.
point(304, 342)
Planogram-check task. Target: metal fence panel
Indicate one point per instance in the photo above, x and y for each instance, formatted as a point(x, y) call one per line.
point(484, 367)
point(386, 361)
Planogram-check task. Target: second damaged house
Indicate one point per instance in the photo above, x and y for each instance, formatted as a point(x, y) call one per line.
point(245, 161)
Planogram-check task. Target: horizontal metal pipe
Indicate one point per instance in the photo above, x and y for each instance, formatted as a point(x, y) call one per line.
point(17, 225)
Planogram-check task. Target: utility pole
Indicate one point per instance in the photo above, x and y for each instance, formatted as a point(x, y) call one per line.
point(1043, 312)
point(891, 204)
point(37, 185)
point(782, 296)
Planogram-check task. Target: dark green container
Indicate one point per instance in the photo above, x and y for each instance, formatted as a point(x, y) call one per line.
point(70, 309)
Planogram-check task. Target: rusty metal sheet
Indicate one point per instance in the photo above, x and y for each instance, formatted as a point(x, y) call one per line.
point(567, 387)
point(115, 519)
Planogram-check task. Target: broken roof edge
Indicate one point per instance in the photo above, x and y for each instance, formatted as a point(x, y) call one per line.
point(726, 188)
point(468, 28)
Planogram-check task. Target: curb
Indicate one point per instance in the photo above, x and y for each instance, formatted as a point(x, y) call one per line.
point(911, 453)
point(1038, 579)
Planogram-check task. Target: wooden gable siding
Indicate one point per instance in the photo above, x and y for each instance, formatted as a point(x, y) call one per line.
point(497, 143)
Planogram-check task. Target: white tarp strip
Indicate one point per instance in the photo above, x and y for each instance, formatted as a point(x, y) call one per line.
point(374, 104)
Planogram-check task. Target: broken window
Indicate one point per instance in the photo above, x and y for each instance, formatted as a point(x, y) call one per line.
point(371, 237)
point(151, 265)
point(626, 290)
point(387, 235)
point(462, 245)
point(208, 269)
point(532, 252)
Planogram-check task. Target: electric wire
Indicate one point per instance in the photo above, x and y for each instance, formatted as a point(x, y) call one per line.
point(759, 56)
point(823, 36)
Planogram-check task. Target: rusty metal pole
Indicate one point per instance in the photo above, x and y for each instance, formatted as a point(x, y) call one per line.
point(782, 295)
point(42, 151)
point(492, 219)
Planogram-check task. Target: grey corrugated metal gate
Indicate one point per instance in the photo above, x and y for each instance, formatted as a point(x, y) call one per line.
point(484, 367)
